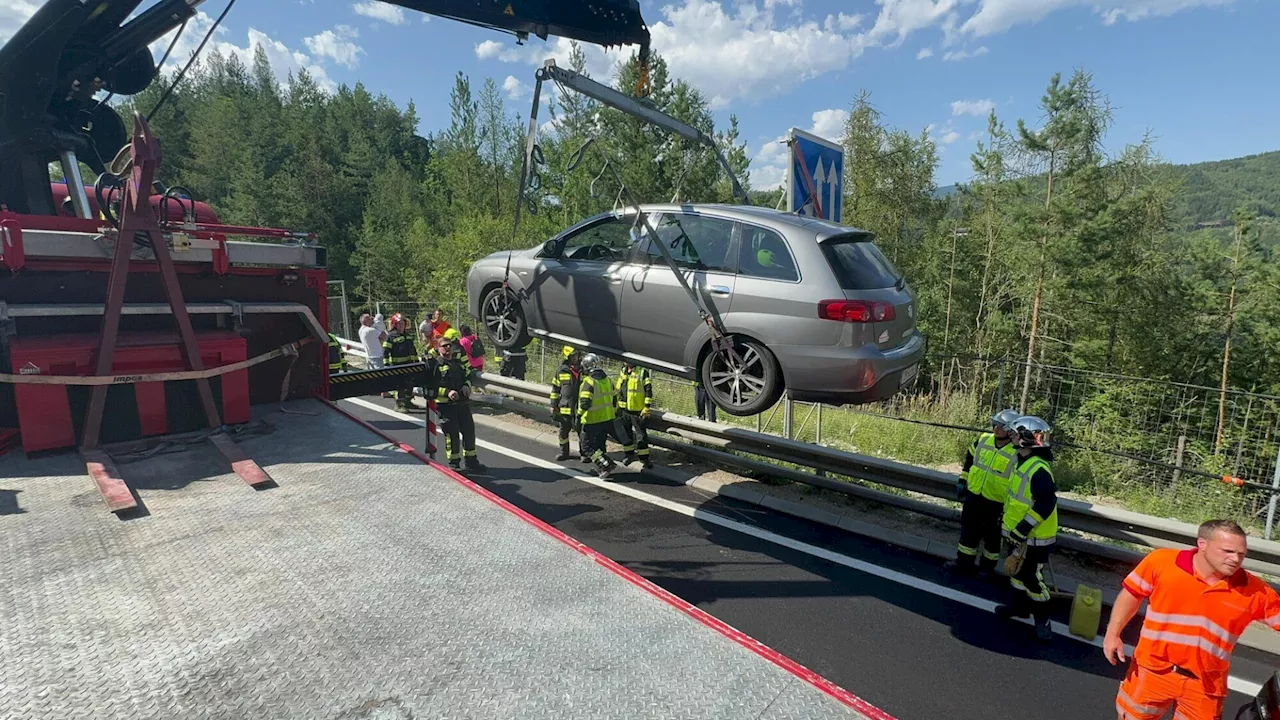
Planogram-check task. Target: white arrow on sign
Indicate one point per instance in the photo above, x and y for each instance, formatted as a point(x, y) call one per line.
point(819, 179)
point(834, 178)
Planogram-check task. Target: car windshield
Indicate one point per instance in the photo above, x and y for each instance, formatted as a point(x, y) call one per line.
point(858, 264)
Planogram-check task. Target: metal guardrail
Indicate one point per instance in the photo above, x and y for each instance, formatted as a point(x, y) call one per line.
point(1111, 523)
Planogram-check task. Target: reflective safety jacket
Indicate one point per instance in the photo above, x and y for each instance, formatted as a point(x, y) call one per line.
point(1192, 624)
point(453, 375)
point(564, 389)
point(399, 348)
point(596, 399)
point(988, 467)
point(635, 389)
point(337, 363)
point(1031, 507)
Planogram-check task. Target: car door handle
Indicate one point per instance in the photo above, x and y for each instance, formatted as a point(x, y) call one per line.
point(721, 290)
point(612, 277)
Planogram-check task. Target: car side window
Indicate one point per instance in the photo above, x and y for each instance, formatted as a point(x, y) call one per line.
point(607, 241)
point(695, 241)
point(766, 255)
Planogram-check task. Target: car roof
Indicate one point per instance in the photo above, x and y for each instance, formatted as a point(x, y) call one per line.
point(777, 219)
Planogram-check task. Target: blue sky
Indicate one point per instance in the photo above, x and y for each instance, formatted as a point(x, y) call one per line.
point(1198, 73)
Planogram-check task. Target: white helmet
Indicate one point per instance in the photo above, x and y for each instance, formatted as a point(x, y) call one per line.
point(1031, 432)
point(591, 361)
point(1005, 419)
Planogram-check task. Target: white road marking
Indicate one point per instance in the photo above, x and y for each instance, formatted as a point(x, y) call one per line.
point(1234, 683)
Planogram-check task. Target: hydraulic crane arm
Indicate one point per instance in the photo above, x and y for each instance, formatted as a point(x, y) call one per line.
point(599, 22)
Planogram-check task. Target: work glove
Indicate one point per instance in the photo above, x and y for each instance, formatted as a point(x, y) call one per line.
point(1013, 563)
point(644, 414)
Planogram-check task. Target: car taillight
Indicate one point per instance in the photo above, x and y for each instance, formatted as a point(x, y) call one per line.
point(856, 311)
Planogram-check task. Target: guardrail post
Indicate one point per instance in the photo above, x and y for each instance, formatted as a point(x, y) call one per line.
point(788, 417)
point(1271, 504)
point(817, 427)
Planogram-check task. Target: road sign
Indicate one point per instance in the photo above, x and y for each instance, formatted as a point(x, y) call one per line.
point(816, 175)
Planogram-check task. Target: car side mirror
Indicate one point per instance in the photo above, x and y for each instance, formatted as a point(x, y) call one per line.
point(549, 248)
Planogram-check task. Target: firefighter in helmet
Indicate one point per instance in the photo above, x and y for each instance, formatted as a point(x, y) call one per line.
point(982, 487)
point(1030, 524)
point(453, 403)
point(598, 416)
point(635, 400)
point(564, 395)
point(399, 349)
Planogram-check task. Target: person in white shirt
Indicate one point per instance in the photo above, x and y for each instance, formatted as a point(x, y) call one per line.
point(371, 338)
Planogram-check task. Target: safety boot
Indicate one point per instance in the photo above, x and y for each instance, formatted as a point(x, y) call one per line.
point(1018, 608)
point(564, 454)
point(629, 458)
point(475, 465)
point(962, 567)
point(1043, 630)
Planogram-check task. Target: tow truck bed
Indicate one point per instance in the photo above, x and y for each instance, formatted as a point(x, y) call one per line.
point(367, 584)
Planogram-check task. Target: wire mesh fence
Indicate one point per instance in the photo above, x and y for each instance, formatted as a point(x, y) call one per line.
point(1136, 443)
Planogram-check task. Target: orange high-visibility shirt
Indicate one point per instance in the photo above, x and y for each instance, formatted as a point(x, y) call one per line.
point(1191, 623)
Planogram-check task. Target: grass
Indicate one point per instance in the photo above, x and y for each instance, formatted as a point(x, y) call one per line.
point(869, 430)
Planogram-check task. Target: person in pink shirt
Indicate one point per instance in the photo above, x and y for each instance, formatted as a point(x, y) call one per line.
point(474, 348)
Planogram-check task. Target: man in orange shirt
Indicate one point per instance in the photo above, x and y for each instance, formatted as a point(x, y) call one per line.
point(1201, 601)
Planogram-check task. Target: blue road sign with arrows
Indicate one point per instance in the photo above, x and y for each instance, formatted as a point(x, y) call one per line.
point(815, 180)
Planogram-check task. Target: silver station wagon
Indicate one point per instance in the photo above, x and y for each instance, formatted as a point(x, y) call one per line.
point(814, 308)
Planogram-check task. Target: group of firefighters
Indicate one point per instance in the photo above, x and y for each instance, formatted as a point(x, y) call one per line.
point(583, 398)
point(1200, 601)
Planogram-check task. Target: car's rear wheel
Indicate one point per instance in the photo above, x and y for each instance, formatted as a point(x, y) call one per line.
point(504, 320)
point(748, 384)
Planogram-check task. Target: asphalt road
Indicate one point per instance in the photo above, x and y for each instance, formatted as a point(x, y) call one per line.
point(911, 652)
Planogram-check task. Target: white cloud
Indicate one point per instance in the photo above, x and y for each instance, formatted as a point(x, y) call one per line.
point(900, 18)
point(514, 88)
point(972, 107)
point(924, 53)
point(829, 124)
point(336, 45)
point(13, 13)
point(738, 51)
point(949, 137)
point(958, 55)
point(997, 16)
point(380, 11)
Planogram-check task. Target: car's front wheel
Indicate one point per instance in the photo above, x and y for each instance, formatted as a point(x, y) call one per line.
point(747, 384)
point(504, 320)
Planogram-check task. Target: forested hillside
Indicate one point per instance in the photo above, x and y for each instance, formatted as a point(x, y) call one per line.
point(1063, 250)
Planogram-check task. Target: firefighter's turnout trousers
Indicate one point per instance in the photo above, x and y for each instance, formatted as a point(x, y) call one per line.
point(986, 480)
point(456, 423)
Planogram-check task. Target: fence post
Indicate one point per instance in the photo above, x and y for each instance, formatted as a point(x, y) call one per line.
point(1177, 462)
point(1271, 504)
point(542, 362)
point(1004, 367)
point(817, 427)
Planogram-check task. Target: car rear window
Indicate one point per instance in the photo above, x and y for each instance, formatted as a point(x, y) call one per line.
point(858, 264)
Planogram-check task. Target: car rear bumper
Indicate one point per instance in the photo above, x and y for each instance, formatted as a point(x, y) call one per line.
point(848, 376)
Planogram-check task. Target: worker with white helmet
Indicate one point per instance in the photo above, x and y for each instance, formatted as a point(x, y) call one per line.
point(1030, 524)
point(982, 487)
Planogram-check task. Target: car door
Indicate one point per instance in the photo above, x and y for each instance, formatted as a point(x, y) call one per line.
point(659, 317)
point(579, 288)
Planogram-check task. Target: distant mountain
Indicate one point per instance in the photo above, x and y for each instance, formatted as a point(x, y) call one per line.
point(1212, 191)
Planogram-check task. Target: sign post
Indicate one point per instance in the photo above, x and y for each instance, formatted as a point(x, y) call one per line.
point(816, 176)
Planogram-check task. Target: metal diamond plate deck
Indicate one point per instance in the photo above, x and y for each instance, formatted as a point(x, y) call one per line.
point(366, 585)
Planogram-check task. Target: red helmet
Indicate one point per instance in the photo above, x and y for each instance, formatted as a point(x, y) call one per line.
point(396, 319)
